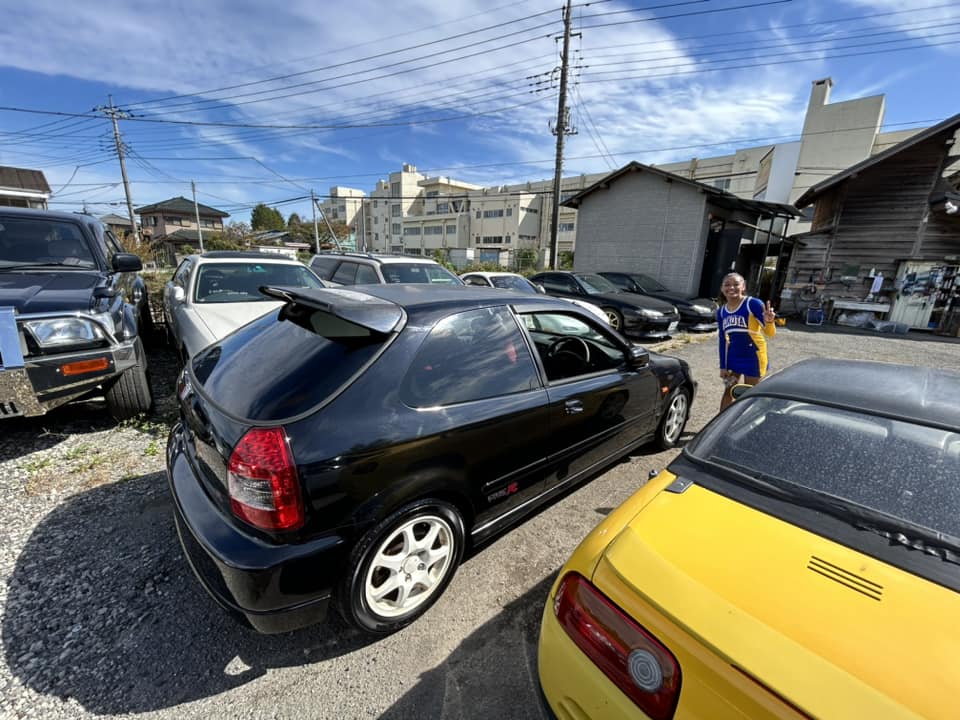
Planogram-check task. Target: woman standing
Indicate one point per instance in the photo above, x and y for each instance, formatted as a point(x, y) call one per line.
point(743, 321)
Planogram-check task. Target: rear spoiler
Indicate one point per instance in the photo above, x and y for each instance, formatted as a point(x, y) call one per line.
point(358, 308)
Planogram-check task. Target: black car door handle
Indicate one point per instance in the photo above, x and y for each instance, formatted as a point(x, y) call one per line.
point(573, 407)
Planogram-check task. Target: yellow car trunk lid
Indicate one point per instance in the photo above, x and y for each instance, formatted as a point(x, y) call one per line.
point(826, 628)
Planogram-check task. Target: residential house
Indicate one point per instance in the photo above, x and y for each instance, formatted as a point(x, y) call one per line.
point(173, 223)
point(119, 225)
point(895, 215)
point(20, 187)
point(685, 233)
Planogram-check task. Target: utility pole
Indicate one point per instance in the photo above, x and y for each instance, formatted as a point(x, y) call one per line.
point(336, 240)
point(316, 230)
point(196, 210)
point(114, 113)
point(561, 129)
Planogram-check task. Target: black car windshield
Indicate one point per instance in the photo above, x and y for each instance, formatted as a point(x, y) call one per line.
point(418, 273)
point(596, 284)
point(906, 471)
point(648, 284)
point(42, 243)
point(241, 282)
point(513, 282)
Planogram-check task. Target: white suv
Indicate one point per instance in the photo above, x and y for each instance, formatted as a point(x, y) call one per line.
point(344, 268)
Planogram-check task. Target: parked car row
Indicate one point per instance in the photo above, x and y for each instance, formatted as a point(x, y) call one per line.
point(343, 443)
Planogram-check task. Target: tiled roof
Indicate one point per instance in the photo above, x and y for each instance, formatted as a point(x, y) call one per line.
point(181, 205)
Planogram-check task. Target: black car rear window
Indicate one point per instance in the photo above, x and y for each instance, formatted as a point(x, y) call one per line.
point(902, 469)
point(274, 369)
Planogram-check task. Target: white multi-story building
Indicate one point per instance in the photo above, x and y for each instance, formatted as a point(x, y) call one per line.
point(412, 213)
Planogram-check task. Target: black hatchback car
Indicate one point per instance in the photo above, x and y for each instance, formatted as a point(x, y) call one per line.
point(629, 313)
point(696, 313)
point(349, 447)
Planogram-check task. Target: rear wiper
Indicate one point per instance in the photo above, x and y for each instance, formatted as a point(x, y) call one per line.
point(896, 530)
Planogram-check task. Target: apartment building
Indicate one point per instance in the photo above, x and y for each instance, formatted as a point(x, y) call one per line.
point(22, 187)
point(344, 205)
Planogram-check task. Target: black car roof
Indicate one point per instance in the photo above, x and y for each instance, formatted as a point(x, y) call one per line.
point(926, 395)
point(412, 298)
point(51, 215)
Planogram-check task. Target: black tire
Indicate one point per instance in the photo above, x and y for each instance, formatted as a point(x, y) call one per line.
point(674, 419)
point(615, 318)
point(130, 394)
point(423, 579)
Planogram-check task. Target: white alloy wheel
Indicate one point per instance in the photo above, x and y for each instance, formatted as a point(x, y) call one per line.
point(675, 419)
point(409, 565)
point(613, 317)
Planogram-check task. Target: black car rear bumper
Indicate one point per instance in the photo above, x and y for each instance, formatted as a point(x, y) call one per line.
point(275, 588)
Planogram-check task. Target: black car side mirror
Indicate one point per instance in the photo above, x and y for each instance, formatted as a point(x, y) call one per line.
point(737, 391)
point(127, 262)
point(638, 356)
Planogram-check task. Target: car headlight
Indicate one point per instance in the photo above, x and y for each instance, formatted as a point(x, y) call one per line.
point(703, 309)
point(58, 332)
point(652, 314)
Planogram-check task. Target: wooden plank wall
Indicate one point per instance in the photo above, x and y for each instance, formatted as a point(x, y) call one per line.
point(880, 217)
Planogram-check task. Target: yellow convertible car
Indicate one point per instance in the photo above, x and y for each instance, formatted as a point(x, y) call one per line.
point(799, 559)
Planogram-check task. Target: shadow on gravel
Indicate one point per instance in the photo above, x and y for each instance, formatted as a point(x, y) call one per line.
point(491, 674)
point(102, 607)
point(27, 435)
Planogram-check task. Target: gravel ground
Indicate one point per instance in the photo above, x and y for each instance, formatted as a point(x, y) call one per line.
point(100, 616)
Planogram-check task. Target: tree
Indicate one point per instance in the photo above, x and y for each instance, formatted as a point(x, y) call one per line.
point(237, 233)
point(266, 218)
point(294, 221)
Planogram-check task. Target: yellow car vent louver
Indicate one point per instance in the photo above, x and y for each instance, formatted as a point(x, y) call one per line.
point(845, 577)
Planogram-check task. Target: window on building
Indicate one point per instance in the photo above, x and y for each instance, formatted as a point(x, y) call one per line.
point(721, 183)
point(492, 239)
point(207, 223)
point(433, 230)
point(375, 203)
point(433, 193)
point(451, 229)
point(395, 228)
point(395, 189)
point(479, 215)
point(394, 211)
point(509, 212)
point(443, 207)
point(376, 237)
point(413, 251)
point(493, 213)
point(566, 227)
point(407, 231)
point(532, 209)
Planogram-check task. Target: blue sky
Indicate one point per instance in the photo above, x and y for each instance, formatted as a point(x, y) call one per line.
point(263, 101)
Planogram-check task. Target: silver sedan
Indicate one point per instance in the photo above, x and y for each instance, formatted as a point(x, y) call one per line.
point(211, 295)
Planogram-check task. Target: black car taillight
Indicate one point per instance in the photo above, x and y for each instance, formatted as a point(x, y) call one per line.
point(263, 483)
point(631, 657)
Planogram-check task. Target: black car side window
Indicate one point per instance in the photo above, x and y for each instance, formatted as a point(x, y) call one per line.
point(346, 274)
point(470, 356)
point(324, 266)
point(569, 346)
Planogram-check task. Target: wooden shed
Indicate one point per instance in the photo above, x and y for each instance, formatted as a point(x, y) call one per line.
point(880, 215)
